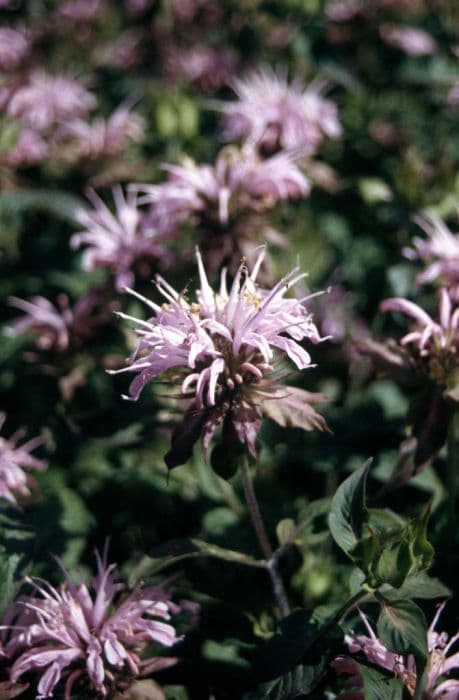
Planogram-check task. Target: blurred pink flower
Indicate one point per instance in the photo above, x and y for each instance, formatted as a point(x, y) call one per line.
point(15, 461)
point(29, 149)
point(221, 348)
point(79, 11)
point(344, 10)
point(91, 634)
point(104, 137)
point(45, 100)
point(440, 251)
point(275, 114)
point(14, 47)
point(205, 66)
point(430, 337)
point(404, 668)
point(57, 327)
point(123, 241)
point(239, 180)
point(411, 40)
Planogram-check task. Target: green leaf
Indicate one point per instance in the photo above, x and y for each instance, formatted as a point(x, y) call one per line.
point(60, 204)
point(8, 586)
point(284, 650)
point(348, 510)
point(379, 686)
point(420, 585)
point(298, 683)
point(402, 627)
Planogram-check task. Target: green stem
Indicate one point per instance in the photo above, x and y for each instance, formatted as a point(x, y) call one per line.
point(263, 540)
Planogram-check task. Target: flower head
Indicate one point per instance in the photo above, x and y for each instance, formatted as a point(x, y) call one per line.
point(46, 100)
point(57, 326)
point(277, 115)
point(14, 47)
point(15, 461)
point(404, 667)
point(435, 343)
point(226, 200)
point(238, 180)
point(411, 40)
point(91, 634)
point(221, 349)
point(119, 241)
point(205, 66)
point(29, 149)
point(103, 137)
point(440, 251)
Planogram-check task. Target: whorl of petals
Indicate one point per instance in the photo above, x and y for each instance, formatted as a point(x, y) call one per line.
point(119, 240)
point(277, 115)
point(428, 335)
point(15, 462)
point(45, 100)
point(87, 633)
point(439, 251)
point(239, 180)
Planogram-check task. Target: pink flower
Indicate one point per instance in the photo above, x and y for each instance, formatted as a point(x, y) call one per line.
point(57, 327)
point(14, 47)
point(275, 114)
point(104, 137)
point(29, 149)
point(46, 100)
point(221, 349)
point(404, 668)
point(226, 201)
point(411, 40)
point(239, 180)
point(207, 67)
point(119, 241)
point(431, 338)
point(15, 461)
point(440, 251)
point(79, 11)
point(92, 634)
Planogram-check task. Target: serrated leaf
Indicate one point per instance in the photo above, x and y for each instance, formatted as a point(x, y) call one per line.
point(379, 686)
point(348, 510)
point(402, 628)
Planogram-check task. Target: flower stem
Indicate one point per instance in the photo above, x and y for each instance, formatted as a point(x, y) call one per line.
point(263, 541)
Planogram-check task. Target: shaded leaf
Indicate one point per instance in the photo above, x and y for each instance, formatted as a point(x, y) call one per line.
point(420, 585)
point(298, 683)
point(348, 510)
point(60, 204)
point(379, 686)
point(284, 650)
point(402, 627)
